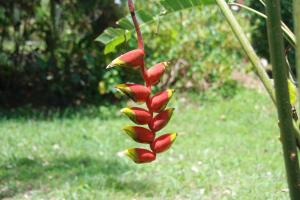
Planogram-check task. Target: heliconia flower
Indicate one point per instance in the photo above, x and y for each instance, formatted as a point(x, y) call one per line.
point(138, 93)
point(139, 155)
point(161, 119)
point(154, 73)
point(132, 58)
point(159, 101)
point(137, 115)
point(163, 142)
point(139, 134)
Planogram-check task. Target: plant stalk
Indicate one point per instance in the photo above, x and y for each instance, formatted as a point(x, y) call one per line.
point(141, 46)
point(288, 34)
point(136, 24)
point(236, 28)
point(280, 75)
point(139, 38)
point(246, 45)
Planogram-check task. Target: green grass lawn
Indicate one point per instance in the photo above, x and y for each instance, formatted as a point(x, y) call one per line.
point(226, 149)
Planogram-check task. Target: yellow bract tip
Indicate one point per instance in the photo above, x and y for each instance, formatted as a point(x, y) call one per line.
point(170, 110)
point(173, 137)
point(120, 86)
point(170, 92)
point(127, 111)
point(109, 66)
point(130, 113)
point(130, 153)
point(123, 88)
point(166, 64)
point(116, 63)
point(129, 130)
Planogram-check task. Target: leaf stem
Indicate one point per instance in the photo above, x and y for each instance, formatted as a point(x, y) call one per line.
point(282, 97)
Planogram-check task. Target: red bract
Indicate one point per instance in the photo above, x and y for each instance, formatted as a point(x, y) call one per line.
point(161, 119)
point(134, 58)
point(138, 93)
point(137, 115)
point(139, 155)
point(139, 134)
point(159, 101)
point(141, 94)
point(155, 73)
point(163, 142)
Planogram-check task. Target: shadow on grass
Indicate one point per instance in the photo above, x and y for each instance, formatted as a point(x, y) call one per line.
point(23, 175)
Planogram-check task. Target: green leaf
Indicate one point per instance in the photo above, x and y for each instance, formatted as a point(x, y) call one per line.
point(142, 16)
point(113, 37)
point(177, 5)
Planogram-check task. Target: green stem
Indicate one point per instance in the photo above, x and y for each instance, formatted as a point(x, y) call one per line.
point(291, 34)
point(236, 28)
point(282, 97)
point(247, 47)
point(262, 2)
point(288, 34)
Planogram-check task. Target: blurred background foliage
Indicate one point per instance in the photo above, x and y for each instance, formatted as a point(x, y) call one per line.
point(48, 55)
point(47, 51)
point(200, 46)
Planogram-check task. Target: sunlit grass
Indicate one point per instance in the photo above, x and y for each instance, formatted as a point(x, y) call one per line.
point(226, 149)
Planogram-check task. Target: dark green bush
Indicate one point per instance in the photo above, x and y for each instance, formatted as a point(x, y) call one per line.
point(47, 50)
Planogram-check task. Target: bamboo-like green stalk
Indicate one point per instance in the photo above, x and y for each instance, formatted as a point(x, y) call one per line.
point(289, 35)
point(241, 36)
point(247, 47)
point(282, 97)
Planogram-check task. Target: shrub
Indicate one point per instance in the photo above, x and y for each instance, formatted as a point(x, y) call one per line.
point(48, 54)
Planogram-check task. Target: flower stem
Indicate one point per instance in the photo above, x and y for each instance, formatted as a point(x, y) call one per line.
point(282, 97)
point(140, 45)
point(136, 24)
point(139, 38)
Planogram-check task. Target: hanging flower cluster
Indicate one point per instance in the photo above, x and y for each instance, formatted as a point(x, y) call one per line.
point(156, 116)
